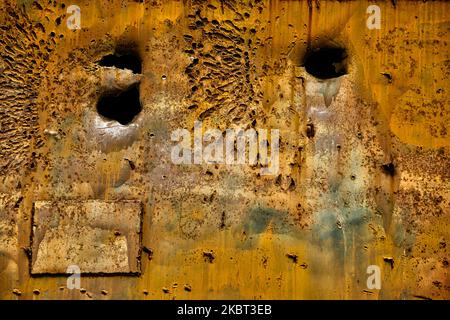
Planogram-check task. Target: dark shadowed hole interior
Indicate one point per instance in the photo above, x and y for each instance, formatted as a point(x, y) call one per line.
point(129, 61)
point(122, 107)
point(326, 63)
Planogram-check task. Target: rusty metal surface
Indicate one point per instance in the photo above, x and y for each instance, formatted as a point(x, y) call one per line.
point(363, 177)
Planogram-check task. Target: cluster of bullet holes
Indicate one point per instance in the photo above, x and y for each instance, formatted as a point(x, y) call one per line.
point(121, 106)
point(326, 62)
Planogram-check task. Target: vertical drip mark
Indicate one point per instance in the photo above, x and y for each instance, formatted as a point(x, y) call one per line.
point(310, 11)
point(304, 93)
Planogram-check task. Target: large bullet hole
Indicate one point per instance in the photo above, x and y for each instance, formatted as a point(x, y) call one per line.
point(122, 107)
point(129, 61)
point(326, 63)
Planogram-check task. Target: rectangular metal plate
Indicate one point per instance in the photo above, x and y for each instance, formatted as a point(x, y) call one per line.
point(97, 236)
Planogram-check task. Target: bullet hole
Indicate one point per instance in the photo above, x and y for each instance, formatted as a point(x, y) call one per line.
point(208, 256)
point(149, 252)
point(292, 257)
point(187, 288)
point(310, 131)
point(326, 63)
point(264, 261)
point(129, 60)
point(353, 177)
point(390, 261)
point(389, 169)
point(163, 77)
point(32, 165)
point(122, 107)
point(388, 76)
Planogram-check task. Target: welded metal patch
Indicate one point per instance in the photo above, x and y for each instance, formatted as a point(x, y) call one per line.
point(99, 237)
